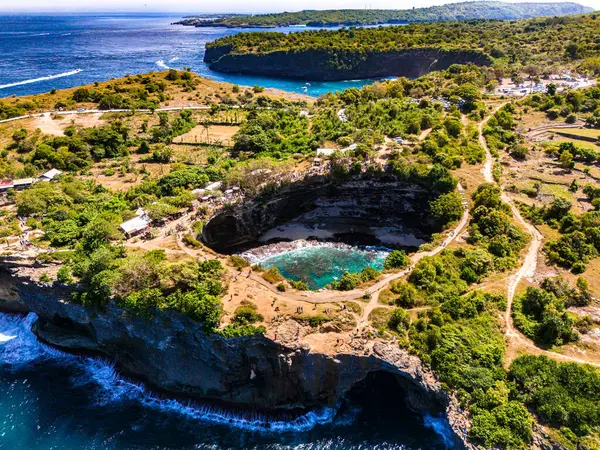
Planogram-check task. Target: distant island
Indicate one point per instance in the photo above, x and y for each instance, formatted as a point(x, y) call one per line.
point(358, 17)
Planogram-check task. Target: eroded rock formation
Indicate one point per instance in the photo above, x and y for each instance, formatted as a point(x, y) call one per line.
point(341, 210)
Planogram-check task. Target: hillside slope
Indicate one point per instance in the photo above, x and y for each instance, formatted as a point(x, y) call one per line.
point(348, 17)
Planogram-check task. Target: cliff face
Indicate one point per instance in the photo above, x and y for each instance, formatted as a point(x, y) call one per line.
point(322, 65)
point(171, 353)
point(361, 206)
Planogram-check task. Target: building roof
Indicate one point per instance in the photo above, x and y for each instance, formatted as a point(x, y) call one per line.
point(23, 181)
point(6, 184)
point(326, 151)
point(51, 174)
point(136, 224)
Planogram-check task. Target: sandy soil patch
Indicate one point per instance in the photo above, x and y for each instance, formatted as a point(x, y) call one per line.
point(56, 124)
point(214, 134)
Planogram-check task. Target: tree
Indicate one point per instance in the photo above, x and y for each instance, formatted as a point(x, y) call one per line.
point(399, 320)
point(551, 89)
point(566, 160)
point(447, 207)
point(453, 127)
point(397, 259)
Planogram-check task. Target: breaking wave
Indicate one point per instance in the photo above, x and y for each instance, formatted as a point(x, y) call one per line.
point(37, 80)
point(19, 346)
point(160, 63)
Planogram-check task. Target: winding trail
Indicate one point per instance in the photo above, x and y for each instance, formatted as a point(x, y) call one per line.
point(527, 269)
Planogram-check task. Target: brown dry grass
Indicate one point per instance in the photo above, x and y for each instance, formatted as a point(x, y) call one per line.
point(213, 134)
point(207, 91)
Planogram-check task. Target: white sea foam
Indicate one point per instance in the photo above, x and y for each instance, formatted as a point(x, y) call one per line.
point(172, 60)
point(5, 338)
point(37, 80)
point(265, 252)
point(160, 63)
point(110, 388)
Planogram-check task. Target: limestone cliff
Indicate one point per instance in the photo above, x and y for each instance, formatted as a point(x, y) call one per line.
point(332, 65)
point(345, 208)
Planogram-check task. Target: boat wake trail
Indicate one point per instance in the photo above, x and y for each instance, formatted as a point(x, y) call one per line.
point(37, 80)
point(20, 347)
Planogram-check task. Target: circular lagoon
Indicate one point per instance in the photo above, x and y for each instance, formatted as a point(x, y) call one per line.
point(316, 263)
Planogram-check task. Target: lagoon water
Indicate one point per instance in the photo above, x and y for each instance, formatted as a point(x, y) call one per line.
point(316, 263)
point(38, 53)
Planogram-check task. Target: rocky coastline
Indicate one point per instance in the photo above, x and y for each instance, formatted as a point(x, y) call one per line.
point(172, 355)
point(333, 65)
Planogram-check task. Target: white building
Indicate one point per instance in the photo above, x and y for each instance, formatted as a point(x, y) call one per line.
point(50, 175)
point(137, 225)
point(23, 183)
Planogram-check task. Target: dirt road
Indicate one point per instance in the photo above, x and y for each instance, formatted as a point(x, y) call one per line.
point(514, 338)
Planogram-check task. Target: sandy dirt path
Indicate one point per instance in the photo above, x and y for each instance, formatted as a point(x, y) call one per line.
point(516, 340)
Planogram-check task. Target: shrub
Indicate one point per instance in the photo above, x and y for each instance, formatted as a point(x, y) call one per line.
point(272, 275)
point(64, 275)
point(238, 262)
point(45, 278)
point(281, 287)
point(299, 285)
point(237, 331)
point(562, 394)
point(191, 241)
point(246, 314)
point(397, 259)
point(399, 320)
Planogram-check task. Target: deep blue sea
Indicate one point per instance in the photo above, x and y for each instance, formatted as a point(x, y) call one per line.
point(38, 53)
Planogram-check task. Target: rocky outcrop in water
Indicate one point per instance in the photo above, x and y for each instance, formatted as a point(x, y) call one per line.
point(344, 209)
point(325, 65)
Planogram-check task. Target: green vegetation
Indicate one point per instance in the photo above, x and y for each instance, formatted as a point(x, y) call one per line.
point(491, 227)
point(512, 45)
point(541, 315)
point(464, 345)
point(246, 314)
point(499, 133)
point(238, 262)
point(397, 259)
point(580, 234)
point(564, 395)
point(447, 208)
point(272, 275)
point(584, 104)
point(349, 281)
point(348, 17)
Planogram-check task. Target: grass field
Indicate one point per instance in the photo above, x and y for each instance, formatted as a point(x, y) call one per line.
point(585, 132)
point(213, 134)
